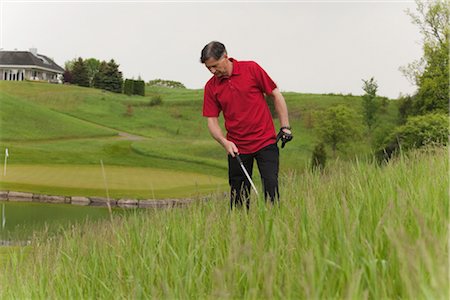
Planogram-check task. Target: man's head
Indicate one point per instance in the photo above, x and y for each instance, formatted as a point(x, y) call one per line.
point(214, 56)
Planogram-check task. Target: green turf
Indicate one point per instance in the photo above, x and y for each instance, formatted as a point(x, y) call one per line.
point(118, 180)
point(21, 120)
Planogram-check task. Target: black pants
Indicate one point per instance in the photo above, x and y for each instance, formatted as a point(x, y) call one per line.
point(268, 164)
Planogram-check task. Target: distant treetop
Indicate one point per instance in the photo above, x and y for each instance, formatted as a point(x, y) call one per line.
point(166, 83)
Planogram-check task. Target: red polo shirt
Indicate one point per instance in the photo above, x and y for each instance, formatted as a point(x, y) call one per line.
point(241, 99)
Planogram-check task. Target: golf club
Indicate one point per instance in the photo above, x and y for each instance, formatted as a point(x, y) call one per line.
point(246, 174)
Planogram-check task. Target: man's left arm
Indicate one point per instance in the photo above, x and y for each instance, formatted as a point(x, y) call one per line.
point(285, 133)
point(281, 108)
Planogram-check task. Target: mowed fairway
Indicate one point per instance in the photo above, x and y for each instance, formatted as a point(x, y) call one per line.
point(121, 181)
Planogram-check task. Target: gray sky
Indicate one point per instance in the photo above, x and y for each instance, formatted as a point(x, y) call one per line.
point(305, 46)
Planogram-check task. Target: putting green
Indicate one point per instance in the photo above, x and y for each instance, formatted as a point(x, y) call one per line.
point(88, 180)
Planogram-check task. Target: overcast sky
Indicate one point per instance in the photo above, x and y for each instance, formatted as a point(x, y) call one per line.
point(305, 46)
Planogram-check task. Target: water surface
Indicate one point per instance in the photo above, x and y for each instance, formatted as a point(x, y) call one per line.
point(18, 220)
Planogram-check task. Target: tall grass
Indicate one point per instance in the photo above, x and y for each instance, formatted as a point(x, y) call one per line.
point(357, 231)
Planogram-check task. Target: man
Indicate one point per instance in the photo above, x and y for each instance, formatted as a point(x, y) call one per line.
point(238, 89)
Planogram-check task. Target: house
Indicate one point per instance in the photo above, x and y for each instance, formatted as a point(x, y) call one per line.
point(29, 65)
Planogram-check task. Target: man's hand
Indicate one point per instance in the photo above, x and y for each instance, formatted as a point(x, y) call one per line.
point(230, 147)
point(216, 133)
point(285, 135)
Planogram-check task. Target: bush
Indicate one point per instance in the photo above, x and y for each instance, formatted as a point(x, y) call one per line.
point(134, 87)
point(319, 157)
point(419, 131)
point(128, 87)
point(156, 100)
point(139, 87)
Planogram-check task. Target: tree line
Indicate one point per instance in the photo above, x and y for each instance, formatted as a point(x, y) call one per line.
point(103, 75)
point(94, 73)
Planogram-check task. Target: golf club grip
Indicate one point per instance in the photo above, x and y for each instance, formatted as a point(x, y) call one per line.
point(238, 159)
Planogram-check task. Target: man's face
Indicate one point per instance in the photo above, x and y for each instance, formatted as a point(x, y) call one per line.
point(218, 67)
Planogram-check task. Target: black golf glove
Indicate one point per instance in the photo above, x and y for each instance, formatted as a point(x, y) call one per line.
point(285, 137)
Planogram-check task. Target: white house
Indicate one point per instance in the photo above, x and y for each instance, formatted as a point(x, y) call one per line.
point(28, 65)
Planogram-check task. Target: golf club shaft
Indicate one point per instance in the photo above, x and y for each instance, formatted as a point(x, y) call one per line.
point(246, 174)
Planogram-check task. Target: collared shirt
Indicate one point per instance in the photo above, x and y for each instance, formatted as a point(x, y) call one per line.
point(241, 98)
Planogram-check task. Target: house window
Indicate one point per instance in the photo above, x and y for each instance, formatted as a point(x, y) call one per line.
point(5, 76)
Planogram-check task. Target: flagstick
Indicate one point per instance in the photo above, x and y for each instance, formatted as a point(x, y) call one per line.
point(3, 216)
point(6, 158)
point(106, 187)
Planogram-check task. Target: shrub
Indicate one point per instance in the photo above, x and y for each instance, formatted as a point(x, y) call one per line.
point(319, 157)
point(128, 87)
point(139, 87)
point(134, 87)
point(419, 131)
point(156, 100)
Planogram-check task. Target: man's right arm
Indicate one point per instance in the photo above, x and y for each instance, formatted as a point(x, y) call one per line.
point(217, 134)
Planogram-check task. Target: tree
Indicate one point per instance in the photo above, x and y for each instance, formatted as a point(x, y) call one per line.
point(92, 65)
point(68, 65)
point(339, 125)
point(369, 105)
point(405, 107)
point(433, 83)
point(431, 72)
point(67, 76)
point(109, 77)
point(80, 73)
point(99, 80)
point(113, 77)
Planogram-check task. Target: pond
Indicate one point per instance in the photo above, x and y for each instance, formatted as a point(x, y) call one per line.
point(18, 220)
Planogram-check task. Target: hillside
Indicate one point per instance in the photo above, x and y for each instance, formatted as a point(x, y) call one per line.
point(46, 124)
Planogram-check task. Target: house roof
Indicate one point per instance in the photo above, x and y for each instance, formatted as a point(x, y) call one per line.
point(28, 59)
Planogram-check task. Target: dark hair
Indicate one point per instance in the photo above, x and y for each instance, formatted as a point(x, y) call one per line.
point(214, 50)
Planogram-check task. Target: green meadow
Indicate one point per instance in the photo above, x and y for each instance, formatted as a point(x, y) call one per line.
point(357, 230)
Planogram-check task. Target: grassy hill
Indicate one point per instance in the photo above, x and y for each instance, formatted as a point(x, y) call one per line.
point(45, 124)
